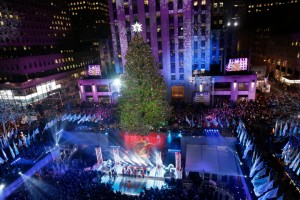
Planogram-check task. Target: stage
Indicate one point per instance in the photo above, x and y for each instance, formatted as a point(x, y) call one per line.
point(133, 186)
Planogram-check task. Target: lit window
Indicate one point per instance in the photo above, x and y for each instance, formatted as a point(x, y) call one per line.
point(203, 2)
point(1, 23)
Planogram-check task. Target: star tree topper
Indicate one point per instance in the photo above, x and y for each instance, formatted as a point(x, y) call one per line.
point(137, 27)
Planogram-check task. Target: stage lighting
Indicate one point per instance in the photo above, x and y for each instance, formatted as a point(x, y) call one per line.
point(56, 144)
point(106, 133)
point(2, 186)
point(20, 173)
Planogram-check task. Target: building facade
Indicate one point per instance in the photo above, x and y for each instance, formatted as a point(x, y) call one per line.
point(104, 91)
point(182, 37)
point(35, 50)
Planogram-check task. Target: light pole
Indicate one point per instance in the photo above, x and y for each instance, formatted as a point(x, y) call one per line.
point(212, 91)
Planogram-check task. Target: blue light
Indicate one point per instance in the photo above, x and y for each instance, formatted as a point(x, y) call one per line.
point(180, 135)
point(106, 133)
point(169, 139)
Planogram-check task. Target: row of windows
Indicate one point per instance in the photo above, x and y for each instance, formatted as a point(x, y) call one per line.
point(88, 3)
point(89, 8)
point(99, 88)
point(36, 64)
point(30, 40)
point(271, 4)
point(181, 77)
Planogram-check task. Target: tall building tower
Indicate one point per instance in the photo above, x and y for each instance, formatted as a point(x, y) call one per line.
point(183, 40)
point(173, 29)
point(34, 54)
point(273, 29)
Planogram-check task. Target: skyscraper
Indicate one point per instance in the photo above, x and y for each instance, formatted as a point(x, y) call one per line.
point(180, 35)
point(35, 50)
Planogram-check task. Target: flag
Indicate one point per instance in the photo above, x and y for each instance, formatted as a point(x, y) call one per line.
point(263, 188)
point(285, 128)
point(256, 183)
point(11, 152)
point(28, 138)
point(4, 154)
point(215, 122)
point(296, 164)
point(276, 128)
point(20, 143)
point(298, 172)
point(88, 118)
point(294, 161)
point(295, 129)
point(36, 131)
point(280, 130)
point(253, 155)
point(252, 170)
point(187, 120)
point(33, 136)
point(269, 195)
point(5, 140)
point(233, 122)
point(1, 144)
point(260, 174)
point(259, 166)
point(192, 122)
point(281, 197)
point(82, 119)
point(47, 126)
point(227, 123)
point(1, 160)
point(248, 148)
point(16, 149)
point(220, 122)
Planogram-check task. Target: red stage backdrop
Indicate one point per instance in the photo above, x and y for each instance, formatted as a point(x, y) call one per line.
point(153, 140)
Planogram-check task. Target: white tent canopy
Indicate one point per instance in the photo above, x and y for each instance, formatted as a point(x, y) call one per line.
point(212, 159)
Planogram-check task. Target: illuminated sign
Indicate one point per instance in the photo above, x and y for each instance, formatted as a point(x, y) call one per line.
point(237, 64)
point(94, 70)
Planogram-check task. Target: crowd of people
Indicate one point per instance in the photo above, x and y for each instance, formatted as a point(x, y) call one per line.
point(259, 117)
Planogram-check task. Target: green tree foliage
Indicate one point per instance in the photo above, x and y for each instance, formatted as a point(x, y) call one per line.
point(143, 105)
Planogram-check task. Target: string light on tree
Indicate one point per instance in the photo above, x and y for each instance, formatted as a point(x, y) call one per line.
point(137, 27)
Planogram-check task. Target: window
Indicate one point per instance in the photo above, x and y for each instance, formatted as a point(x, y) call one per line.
point(102, 88)
point(173, 69)
point(181, 70)
point(178, 92)
point(181, 77)
point(179, 4)
point(89, 98)
point(88, 88)
point(173, 77)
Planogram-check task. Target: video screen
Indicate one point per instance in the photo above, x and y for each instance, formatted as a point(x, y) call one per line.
point(237, 64)
point(94, 70)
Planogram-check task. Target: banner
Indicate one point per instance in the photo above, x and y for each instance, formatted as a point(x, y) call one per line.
point(155, 140)
point(99, 155)
point(116, 155)
point(178, 160)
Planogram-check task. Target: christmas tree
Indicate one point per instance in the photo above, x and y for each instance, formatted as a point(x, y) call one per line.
point(143, 105)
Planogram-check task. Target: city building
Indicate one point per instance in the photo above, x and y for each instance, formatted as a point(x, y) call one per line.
point(36, 58)
point(188, 40)
point(273, 36)
point(93, 88)
point(90, 23)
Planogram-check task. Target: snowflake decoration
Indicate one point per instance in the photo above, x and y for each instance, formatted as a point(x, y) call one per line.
point(137, 27)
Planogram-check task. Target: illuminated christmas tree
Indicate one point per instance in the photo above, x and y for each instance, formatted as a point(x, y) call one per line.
point(143, 105)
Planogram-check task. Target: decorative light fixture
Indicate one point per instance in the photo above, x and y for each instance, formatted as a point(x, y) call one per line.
point(137, 27)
